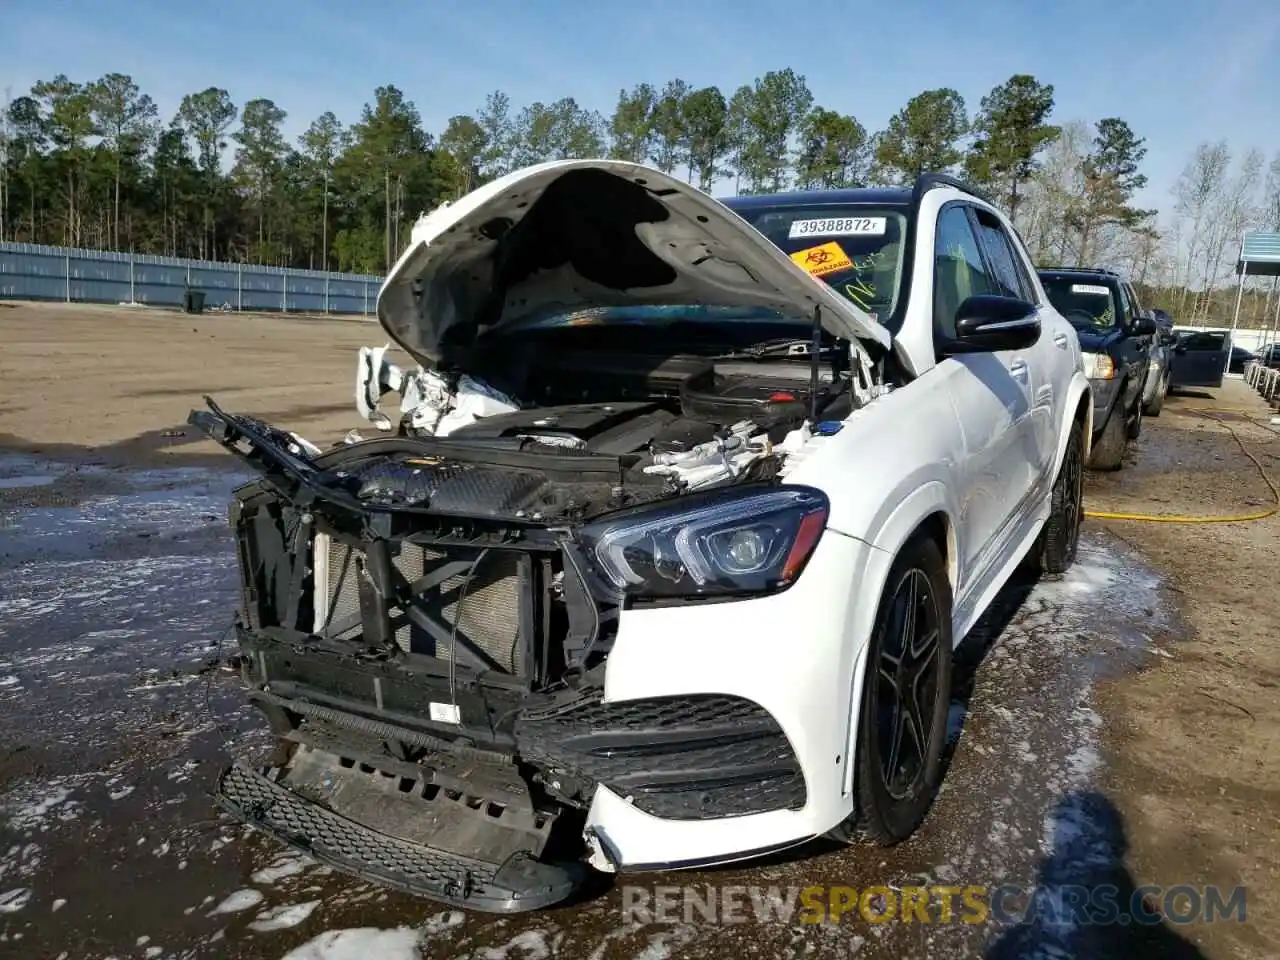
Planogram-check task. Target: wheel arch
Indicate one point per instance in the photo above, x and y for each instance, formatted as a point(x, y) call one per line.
point(1080, 403)
point(930, 508)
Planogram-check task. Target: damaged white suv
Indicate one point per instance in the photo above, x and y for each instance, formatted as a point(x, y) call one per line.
point(662, 561)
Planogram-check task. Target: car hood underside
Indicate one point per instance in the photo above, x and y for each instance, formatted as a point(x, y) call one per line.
point(562, 238)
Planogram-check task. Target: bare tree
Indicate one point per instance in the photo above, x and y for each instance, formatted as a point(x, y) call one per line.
point(1196, 192)
point(1059, 179)
point(1230, 213)
point(1270, 219)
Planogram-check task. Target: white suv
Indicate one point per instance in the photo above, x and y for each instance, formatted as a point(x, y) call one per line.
point(663, 557)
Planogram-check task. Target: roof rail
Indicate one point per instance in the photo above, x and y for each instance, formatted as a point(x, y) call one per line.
point(931, 181)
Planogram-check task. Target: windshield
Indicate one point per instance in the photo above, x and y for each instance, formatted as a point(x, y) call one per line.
point(856, 249)
point(1088, 305)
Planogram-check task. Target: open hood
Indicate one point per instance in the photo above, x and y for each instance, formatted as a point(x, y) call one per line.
point(572, 235)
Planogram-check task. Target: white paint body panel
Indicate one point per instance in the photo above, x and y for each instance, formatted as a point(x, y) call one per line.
point(967, 438)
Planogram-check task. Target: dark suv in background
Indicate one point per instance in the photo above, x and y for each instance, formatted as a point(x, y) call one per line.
point(1118, 338)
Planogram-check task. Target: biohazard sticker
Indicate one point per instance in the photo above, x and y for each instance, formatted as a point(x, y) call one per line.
point(824, 259)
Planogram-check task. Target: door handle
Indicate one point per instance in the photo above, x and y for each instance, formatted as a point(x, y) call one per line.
point(1060, 341)
point(1018, 368)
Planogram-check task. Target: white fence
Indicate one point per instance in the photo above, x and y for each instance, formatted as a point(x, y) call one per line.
point(31, 271)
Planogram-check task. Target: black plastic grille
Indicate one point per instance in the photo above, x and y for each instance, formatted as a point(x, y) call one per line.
point(450, 488)
point(657, 712)
point(785, 792)
point(682, 758)
point(302, 823)
point(520, 883)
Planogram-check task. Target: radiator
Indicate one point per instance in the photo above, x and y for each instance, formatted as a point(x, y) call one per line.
point(490, 610)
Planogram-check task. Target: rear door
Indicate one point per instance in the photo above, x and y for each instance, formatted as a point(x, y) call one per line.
point(1199, 359)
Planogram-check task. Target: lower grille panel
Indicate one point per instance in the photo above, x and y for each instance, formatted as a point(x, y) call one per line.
point(680, 758)
point(520, 883)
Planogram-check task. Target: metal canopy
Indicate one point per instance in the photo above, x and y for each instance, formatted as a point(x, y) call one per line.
point(1259, 255)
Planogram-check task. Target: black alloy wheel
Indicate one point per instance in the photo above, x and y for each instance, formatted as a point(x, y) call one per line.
point(907, 676)
point(906, 694)
point(1056, 548)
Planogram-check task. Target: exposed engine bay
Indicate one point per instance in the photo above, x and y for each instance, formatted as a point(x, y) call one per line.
point(657, 425)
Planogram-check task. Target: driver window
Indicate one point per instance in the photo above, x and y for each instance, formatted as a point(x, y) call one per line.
point(958, 270)
point(1204, 341)
point(1126, 308)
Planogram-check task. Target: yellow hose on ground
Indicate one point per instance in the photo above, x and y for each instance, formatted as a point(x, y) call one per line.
point(1226, 518)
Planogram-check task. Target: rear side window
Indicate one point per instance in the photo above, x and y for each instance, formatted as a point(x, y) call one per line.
point(1009, 280)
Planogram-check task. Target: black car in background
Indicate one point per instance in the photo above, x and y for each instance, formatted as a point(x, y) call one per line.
point(1240, 358)
point(1117, 339)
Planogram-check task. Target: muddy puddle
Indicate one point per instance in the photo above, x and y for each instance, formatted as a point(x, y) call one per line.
point(116, 592)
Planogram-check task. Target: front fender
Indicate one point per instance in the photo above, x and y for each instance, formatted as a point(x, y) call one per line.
point(1078, 392)
point(930, 499)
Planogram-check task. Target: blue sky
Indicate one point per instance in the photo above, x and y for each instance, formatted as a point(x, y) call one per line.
point(1180, 71)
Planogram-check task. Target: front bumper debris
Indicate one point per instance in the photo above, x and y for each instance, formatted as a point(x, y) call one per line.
point(517, 884)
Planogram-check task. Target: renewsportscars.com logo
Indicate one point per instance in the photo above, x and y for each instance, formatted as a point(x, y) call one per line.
point(1007, 904)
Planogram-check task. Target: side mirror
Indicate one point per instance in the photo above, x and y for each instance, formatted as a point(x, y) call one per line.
point(988, 323)
point(1144, 325)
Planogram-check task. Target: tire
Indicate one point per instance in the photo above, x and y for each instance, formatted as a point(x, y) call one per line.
point(1108, 450)
point(1153, 408)
point(1058, 542)
point(884, 812)
point(1133, 429)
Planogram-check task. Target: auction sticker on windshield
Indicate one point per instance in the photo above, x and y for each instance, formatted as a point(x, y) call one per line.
point(838, 227)
point(1090, 288)
point(824, 259)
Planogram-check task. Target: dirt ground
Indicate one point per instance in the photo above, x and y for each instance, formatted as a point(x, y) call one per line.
point(122, 380)
point(1194, 762)
point(1192, 744)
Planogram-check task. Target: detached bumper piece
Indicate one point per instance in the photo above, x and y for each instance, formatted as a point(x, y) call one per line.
point(518, 883)
point(679, 758)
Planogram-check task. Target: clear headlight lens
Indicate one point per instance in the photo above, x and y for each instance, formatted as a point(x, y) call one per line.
point(1099, 366)
point(732, 542)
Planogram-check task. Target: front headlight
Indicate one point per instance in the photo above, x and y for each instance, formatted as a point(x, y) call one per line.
point(733, 542)
point(1099, 366)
